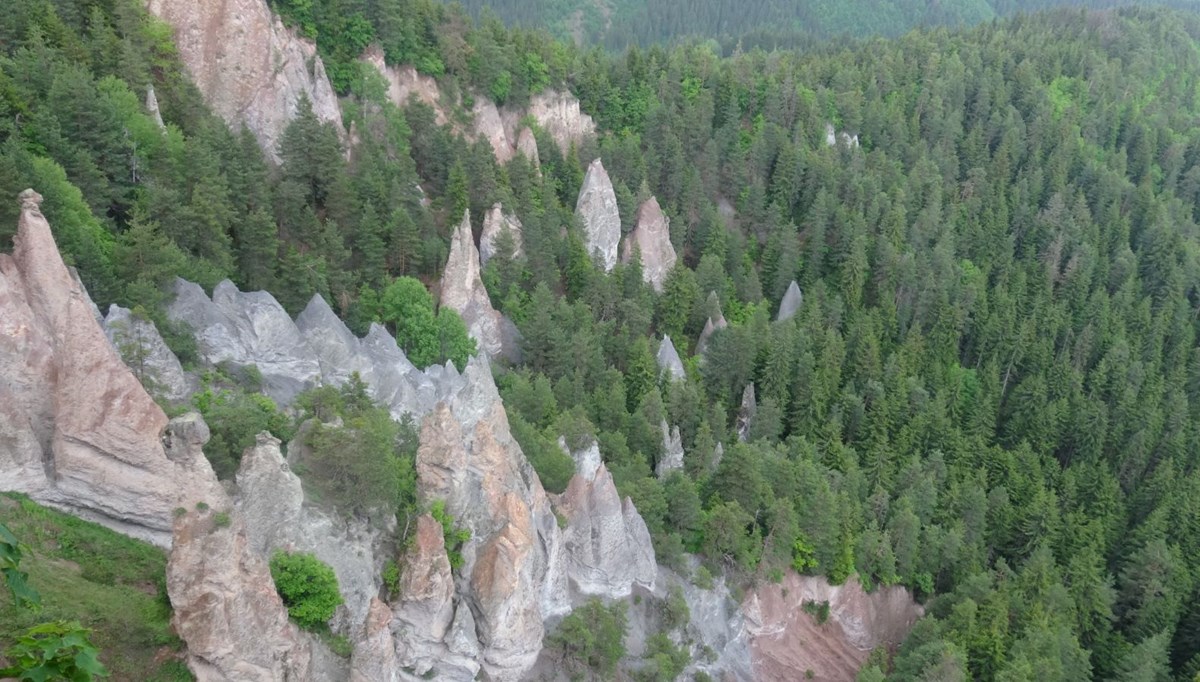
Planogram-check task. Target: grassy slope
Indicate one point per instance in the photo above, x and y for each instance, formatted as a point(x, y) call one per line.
point(110, 583)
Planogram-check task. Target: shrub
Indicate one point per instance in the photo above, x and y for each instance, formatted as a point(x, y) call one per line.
point(222, 519)
point(307, 586)
point(591, 638)
point(453, 535)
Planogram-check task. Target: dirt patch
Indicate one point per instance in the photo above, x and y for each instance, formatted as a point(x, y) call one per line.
point(788, 641)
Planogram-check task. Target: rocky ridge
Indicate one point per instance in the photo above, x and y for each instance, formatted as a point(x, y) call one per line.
point(597, 206)
point(251, 69)
point(78, 432)
point(143, 350)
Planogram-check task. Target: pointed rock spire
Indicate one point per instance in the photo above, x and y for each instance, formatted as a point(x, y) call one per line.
point(152, 106)
point(597, 206)
point(463, 292)
point(527, 147)
point(716, 320)
point(652, 237)
point(494, 224)
point(790, 303)
point(746, 413)
point(672, 459)
point(668, 360)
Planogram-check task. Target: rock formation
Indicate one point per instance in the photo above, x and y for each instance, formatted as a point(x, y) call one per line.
point(716, 321)
point(784, 639)
point(672, 458)
point(527, 147)
point(746, 413)
point(597, 206)
point(138, 342)
point(606, 543)
point(152, 107)
point(251, 69)
point(248, 329)
point(424, 619)
point(463, 292)
point(488, 126)
point(77, 430)
point(652, 238)
point(559, 114)
point(226, 607)
point(270, 499)
point(668, 360)
point(832, 137)
point(494, 224)
point(405, 82)
point(790, 304)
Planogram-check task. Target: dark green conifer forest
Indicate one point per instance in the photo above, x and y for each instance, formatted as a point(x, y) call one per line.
point(991, 394)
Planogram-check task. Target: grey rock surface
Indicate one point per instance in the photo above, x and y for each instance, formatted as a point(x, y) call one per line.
point(270, 498)
point(672, 458)
point(139, 344)
point(527, 147)
point(248, 329)
point(746, 413)
point(606, 543)
point(78, 432)
point(790, 304)
point(464, 293)
point(250, 68)
point(494, 223)
point(152, 107)
point(668, 360)
point(597, 207)
point(651, 237)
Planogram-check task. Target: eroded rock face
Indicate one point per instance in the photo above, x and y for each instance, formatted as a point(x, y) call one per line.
point(248, 329)
point(152, 107)
point(527, 147)
point(405, 82)
point(833, 137)
point(463, 292)
point(672, 458)
point(270, 499)
point(597, 206)
point(746, 412)
point(652, 238)
point(490, 127)
point(785, 640)
point(668, 360)
point(559, 114)
point(494, 224)
point(226, 607)
point(77, 430)
point(790, 304)
point(606, 544)
point(512, 580)
point(138, 342)
point(374, 656)
point(251, 69)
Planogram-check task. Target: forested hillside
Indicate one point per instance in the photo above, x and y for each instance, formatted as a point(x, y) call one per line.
point(617, 24)
point(990, 393)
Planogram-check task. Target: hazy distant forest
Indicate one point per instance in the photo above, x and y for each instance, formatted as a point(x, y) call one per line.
point(991, 394)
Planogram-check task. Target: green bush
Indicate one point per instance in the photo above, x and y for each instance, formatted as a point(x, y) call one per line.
point(307, 586)
point(453, 535)
point(591, 638)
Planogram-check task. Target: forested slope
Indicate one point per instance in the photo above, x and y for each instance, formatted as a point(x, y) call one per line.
point(990, 393)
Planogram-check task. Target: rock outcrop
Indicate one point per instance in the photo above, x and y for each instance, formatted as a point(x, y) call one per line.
point(559, 114)
point(495, 223)
point(672, 457)
point(668, 360)
point(270, 499)
point(77, 430)
point(489, 126)
point(652, 239)
point(248, 329)
point(152, 107)
point(785, 640)
point(226, 607)
point(597, 206)
point(251, 69)
point(790, 304)
point(832, 137)
point(138, 342)
point(463, 292)
point(527, 147)
point(405, 82)
point(746, 413)
point(716, 321)
point(606, 543)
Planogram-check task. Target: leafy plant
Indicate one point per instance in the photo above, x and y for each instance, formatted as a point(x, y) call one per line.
point(307, 586)
point(454, 536)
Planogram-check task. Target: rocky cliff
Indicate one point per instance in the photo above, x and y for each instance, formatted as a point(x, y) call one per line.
point(463, 292)
point(251, 69)
point(77, 430)
point(597, 207)
point(139, 344)
point(495, 223)
point(651, 237)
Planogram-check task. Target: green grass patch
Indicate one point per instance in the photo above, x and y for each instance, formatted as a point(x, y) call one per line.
point(112, 584)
